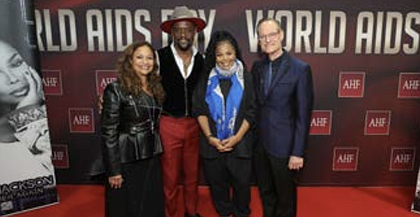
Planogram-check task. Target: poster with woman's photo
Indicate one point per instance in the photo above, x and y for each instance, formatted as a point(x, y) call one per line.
point(27, 179)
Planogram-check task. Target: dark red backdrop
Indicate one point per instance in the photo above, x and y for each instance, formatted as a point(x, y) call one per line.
point(340, 152)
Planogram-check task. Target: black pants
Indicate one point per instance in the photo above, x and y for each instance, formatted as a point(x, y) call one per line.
point(223, 172)
point(141, 194)
point(277, 184)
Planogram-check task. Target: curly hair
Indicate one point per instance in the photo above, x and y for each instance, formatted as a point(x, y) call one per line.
point(217, 38)
point(129, 80)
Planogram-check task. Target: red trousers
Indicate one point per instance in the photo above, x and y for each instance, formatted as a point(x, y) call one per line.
point(180, 140)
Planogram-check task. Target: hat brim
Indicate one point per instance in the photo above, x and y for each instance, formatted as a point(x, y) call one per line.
point(167, 25)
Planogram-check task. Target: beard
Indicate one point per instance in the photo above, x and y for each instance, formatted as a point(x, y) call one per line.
point(183, 45)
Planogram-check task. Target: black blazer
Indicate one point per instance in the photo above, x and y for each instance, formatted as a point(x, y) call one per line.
point(247, 111)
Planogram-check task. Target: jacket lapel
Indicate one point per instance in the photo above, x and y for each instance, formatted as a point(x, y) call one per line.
point(260, 81)
point(280, 73)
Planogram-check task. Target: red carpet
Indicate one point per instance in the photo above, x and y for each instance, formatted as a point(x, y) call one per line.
point(87, 201)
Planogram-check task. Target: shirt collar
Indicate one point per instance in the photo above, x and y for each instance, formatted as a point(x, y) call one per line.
point(278, 60)
point(179, 62)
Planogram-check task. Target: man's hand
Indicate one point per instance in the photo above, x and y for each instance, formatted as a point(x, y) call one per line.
point(295, 163)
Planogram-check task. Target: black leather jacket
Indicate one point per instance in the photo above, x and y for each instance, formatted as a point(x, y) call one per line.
point(129, 128)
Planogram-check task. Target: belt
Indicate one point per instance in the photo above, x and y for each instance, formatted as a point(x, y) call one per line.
point(139, 127)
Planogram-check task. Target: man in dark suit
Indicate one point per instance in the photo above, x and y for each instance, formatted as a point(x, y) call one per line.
point(284, 92)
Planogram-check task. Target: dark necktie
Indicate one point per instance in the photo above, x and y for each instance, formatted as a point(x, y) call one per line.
point(267, 78)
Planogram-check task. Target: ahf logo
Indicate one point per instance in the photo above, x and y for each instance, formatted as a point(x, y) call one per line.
point(81, 120)
point(321, 122)
point(60, 156)
point(52, 82)
point(352, 84)
point(103, 78)
point(402, 159)
point(409, 85)
point(345, 159)
point(377, 122)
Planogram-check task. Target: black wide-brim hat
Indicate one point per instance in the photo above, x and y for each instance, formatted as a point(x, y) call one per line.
point(182, 13)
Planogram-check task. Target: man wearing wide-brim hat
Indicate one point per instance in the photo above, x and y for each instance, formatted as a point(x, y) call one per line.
point(180, 67)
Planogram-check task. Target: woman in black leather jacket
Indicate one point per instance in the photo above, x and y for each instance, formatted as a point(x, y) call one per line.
point(130, 139)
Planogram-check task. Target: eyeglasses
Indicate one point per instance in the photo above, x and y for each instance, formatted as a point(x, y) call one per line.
point(269, 36)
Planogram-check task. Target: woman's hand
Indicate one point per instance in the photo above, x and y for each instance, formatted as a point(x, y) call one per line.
point(230, 143)
point(115, 181)
point(34, 95)
point(214, 141)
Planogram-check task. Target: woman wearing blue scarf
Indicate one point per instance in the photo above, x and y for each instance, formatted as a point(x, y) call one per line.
point(225, 109)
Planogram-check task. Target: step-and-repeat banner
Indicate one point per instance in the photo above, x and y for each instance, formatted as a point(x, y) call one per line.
point(27, 179)
point(365, 128)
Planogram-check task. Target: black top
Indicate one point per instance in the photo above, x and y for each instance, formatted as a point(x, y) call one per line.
point(247, 111)
point(225, 85)
point(275, 64)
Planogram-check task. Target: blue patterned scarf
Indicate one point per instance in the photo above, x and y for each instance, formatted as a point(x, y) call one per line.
point(225, 117)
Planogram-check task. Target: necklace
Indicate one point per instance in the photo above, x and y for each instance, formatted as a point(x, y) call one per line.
point(149, 107)
point(186, 63)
